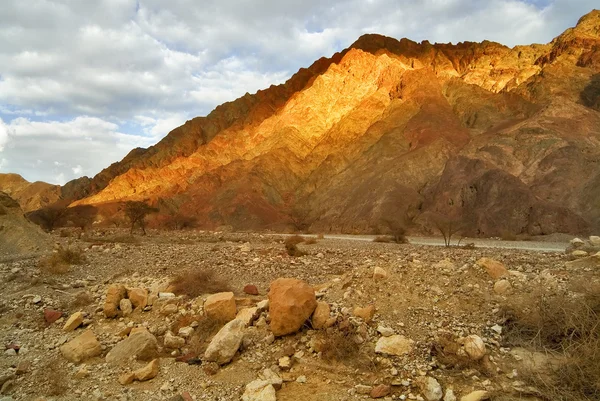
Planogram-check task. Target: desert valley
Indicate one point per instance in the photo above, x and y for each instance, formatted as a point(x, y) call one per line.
point(276, 249)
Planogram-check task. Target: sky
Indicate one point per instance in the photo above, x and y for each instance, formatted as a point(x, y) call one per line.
point(82, 82)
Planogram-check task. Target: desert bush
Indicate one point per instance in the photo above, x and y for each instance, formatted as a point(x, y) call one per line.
point(60, 261)
point(49, 217)
point(382, 238)
point(448, 226)
point(320, 236)
point(291, 247)
point(195, 282)
point(294, 239)
point(338, 346)
point(566, 325)
point(310, 241)
point(82, 298)
point(181, 221)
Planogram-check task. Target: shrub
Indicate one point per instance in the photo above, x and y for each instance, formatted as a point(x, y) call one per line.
point(195, 282)
point(294, 239)
point(310, 241)
point(382, 238)
point(60, 261)
point(136, 212)
point(564, 324)
point(320, 236)
point(291, 247)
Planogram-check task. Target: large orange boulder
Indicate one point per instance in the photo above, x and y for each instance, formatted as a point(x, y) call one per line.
point(291, 303)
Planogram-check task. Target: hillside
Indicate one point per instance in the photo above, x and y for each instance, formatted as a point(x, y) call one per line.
point(491, 134)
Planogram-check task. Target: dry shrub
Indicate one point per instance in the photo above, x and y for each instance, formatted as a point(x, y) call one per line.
point(339, 346)
point(310, 241)
point(320, 236)
point(60, 261)
point(382, 238)
point(566, 324)
point(82, 298)
point(52, 378)
point(446, 349)
point(291, 247)
point(294, 240)
point(195, 282)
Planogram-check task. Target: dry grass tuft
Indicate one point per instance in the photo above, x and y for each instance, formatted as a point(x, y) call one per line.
point(195, 282)
point(60, 261)
point(340, 346)
point(566, 324)
point(82, 298)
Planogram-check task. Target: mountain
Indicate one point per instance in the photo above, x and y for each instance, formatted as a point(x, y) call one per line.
point(29, 195)
point(506, 139)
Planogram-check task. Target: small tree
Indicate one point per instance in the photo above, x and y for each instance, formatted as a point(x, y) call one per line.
point(298, 213)
point(81, 216)
point(49, 217)
point(136, 212)
point(446, 225)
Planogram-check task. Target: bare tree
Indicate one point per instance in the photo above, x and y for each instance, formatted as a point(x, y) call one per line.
point(136, 212)
point(448, 226)
point(49, 217)
point(298, 213)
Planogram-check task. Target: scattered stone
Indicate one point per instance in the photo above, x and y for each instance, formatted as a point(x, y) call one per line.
point(594, 240)
point(82, 373)
point(220, 306)
point(210, 368)
point(379, 273)
point(301, 379)
point(186, 332)
point(10, 352)
point(173, 342)
point(166, 295)
point(250, 289)
point(449, 396)
point(502, 287)
point(285, 363)
point(126, 307)
point(140, 344)
point(494, 268)
point(82, 347)
point(474, 347)
point(394, 345)
point(138, 297)
point(126, 378)
point(51, 316)
point(577, 242)
point(225, 343)
point(147, 372)
point(259, 390)
point(478, 395)
point(168, 309)
point(114, 294)
point(320, 316)
point(579, 253)
point(74, 321)
point(385, 331)
point(380, 391)
point(589, 262)
point(36, 299)
point(362, 389)
point(263, 305)
point(272, 378)
point(365, 313)
point(291, 303)
point(430, 388)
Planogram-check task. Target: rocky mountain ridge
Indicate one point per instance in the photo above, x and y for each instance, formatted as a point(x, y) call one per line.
point(488, 134)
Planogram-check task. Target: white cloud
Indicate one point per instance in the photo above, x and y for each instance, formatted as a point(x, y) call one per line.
point(77, 170)
point(83, 75)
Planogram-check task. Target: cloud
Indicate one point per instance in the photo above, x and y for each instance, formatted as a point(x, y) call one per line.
point(132, 70)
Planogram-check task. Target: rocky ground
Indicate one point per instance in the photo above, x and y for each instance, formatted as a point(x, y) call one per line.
point(391, 321)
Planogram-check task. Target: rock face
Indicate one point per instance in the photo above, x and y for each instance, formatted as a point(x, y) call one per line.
point(140, 344)
point(225, 343)
point(480, 131)
point(291, 303)
point(82, 347)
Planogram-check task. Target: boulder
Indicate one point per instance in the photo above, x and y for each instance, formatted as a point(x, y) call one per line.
point(114, 294)
point(394, 345)
point(594, 240)
point(474, 347)
point(320, 316)
point(225, 343)
point(589, 262)
point(248, 315)
point(220, 307)
point(478, 395)
point(147, 372)
point(379, 273)
point(172, 341)
point(502, 287)
point(138, 297)
point(74, 321)
point(430, 388)
point(291, 303)
point(126, 307)
point(140, 344)
point(577, 242)
point(250, 289)
point(380, 391)
point(365, 313)
point(494, 268)
point(82, 347)
point(259, 390)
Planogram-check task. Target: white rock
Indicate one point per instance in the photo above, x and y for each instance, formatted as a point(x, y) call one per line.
point(449, 395)
point(225, 343)
point(259, 390)
point(37, 299)
point(172, 341)
point(394, 345)
point(185, 332)
point(385, 331)
point(379, 273)
point(430, 388)
point(595, 240)
point(166, 295)
point(474, 347)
